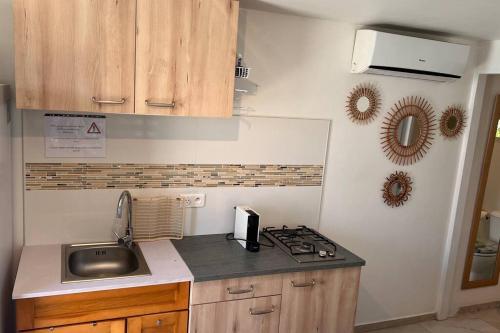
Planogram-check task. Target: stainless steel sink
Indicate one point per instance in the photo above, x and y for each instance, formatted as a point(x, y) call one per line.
point(83, 262)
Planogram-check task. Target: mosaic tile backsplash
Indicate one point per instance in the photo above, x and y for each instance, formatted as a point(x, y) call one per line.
point(93, 176)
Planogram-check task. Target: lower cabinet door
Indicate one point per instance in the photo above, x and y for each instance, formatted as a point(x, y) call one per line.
point(319, 301)
point(171, 322)
point(254, 315)
point(111, 326)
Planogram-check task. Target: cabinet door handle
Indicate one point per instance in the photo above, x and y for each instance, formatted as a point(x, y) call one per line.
point(303, 285)
point(159, 322)
point(121, 101)
point(254, 312)
point(239, 291)
point(160, 105)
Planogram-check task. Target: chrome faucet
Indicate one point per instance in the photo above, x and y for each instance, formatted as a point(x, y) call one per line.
point(128, 238)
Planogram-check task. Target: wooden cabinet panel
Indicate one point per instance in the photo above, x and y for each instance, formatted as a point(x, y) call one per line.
point(232, 289)
point(67, 52)
point(161, 58)
point(172, 322)
point(186, 53)
point(100, 305)
point(320, 301)
point(115, 326)
point(254, 315)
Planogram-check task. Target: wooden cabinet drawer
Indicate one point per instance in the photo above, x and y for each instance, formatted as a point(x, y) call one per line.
point(255, 315)
point(100, 305)
point(172, 322)
point(114, 326)
point(232, 289)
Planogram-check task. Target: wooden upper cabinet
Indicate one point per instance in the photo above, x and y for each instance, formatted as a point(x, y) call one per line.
point(69, 52)
point(186, 53)
point(319, 301)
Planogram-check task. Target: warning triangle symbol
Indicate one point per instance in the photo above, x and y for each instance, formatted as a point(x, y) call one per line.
point(93, 129)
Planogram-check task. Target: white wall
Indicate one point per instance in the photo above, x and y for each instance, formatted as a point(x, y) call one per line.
point(488, 57)
point(64, 216)
point(6, 225)
point(7, 76)
point(302, 68)
point(6, 179)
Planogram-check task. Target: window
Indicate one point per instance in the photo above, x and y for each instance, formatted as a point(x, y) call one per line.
point(498, 130)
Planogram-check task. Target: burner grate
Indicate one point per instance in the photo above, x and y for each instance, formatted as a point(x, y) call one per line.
point(304, 244)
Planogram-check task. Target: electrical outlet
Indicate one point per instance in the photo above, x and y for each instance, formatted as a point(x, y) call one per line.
point(193, 200)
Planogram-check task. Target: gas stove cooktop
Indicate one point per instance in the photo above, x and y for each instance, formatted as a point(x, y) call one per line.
point(303, 244)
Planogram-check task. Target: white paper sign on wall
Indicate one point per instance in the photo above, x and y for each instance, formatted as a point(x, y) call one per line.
point(75, 135)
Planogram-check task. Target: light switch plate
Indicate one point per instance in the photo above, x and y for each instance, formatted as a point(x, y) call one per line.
point(194, 200)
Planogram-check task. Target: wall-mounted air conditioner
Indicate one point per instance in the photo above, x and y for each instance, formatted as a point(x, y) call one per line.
point(384, 53)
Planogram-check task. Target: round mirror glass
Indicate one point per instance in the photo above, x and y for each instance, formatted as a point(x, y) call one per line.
point(362, 104)
point(451, 122)
point(408, 131)
point(396, 189)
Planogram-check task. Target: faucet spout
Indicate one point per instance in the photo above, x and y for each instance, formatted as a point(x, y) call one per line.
point(128, 238)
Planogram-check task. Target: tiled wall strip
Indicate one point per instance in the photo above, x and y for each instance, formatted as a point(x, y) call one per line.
point(92, 176)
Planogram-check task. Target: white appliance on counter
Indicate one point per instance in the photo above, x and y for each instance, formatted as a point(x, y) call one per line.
point(384, 53)
point(246, 228)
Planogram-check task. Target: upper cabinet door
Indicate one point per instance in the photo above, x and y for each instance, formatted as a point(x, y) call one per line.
point(75, 55)
point(186, 52)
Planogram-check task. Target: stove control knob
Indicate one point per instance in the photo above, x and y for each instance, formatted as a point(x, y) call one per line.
point(331, 254)
point(322, 253)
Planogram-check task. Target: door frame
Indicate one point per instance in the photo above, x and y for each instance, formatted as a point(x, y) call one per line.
point(478, 205)
point(461, 210)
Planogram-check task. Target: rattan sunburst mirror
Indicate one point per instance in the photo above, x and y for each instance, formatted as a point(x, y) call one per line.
point(408, 130)
point(363, 103)
point(452, 122)
point(397, 189)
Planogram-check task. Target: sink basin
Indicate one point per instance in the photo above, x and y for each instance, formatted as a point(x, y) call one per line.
point(83, 262)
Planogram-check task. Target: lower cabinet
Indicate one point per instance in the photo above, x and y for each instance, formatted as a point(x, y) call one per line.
point(319, 301)
point(112, 326)
point(173, 322)
point(151, 309)
point(253, 315)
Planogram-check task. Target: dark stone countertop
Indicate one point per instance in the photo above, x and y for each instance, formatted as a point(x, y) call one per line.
point(212, 257)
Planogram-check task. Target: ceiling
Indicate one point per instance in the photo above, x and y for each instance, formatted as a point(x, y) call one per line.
point(478, 19)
